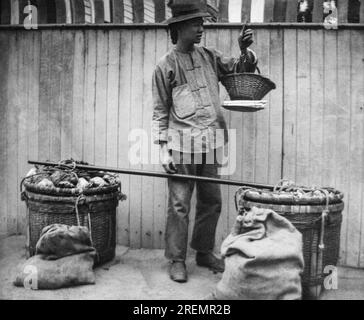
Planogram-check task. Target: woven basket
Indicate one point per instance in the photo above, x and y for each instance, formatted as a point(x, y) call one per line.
point(307, 218)
point(96, 209)
point(247, 86)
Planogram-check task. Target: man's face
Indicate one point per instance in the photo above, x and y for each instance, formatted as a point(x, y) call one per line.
point(191, 31)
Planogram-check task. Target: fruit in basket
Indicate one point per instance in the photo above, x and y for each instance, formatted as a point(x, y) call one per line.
point(45, 183)
point(65, 184)
point(82, 184)
point(98, 182)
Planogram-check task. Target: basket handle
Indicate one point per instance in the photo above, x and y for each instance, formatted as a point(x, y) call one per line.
point(236, 66)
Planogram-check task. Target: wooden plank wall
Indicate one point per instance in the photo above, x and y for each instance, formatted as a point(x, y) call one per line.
point(79, 93)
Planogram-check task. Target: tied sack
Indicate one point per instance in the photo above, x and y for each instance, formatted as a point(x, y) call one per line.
point(60, 240)
point(64, 257)
point(263, 259)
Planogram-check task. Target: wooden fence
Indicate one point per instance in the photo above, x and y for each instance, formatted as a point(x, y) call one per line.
point(77, 92)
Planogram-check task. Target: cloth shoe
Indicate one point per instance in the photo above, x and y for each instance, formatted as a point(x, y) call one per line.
point(178, 272)
point(209, 260)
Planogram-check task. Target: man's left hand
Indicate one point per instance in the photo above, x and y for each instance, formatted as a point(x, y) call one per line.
point(245, 39)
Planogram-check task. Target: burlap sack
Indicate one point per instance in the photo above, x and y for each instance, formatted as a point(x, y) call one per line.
point(40, 273)
point(59, 240)
point(263, 259)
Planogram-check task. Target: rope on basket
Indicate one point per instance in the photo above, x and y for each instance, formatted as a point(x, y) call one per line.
point(321, 245)
point(244, 192)
point(82, 197)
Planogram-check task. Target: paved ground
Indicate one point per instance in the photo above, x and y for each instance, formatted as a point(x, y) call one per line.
point(139, 275)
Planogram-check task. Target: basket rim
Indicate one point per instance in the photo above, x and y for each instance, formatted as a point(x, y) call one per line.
point(284, 197)
point(254, 75)
point(69, 191)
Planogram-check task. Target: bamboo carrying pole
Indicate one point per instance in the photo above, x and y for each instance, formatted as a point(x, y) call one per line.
point(161, 175)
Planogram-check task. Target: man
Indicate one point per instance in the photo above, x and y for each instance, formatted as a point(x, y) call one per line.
point(186, 122)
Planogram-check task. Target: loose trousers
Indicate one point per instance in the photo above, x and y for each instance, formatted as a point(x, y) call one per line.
point(208, 207)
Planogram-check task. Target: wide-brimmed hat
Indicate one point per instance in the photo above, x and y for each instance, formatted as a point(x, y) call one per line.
point(186, 11)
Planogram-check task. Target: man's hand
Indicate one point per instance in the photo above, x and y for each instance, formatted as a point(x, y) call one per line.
point(245, 39)
point(167, 160)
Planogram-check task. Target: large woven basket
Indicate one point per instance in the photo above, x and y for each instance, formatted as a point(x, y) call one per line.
point(95, 209)
point(321, 242)
point(247, 86)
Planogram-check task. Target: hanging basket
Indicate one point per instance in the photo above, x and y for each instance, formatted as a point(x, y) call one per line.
point(316, 213)
point(247, 86)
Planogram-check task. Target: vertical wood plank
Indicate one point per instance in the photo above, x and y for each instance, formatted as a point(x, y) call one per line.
point(224, 11)
point(12, 134)
point(317, 11)
point(24, 51)
point(291, 11)
point(342, 9)
point(43, 11)
point(78, 11)
point(117, 11)
point(112, 99)
point(224, 45)
point(268, 10)
point(249, 134)
point(342, 154)
point(102, 60)
point(44, 92)
point(22, 15)
point(99, 11)
point(149, 51)
point(246, 11)
point(61, 15)
point(361, 18)
point(160, 185)
point(136, 106)
point(262, 143)
point(290, 90)
point(66, 94)
point(5, 15)
point(55, 96)
point(160, 10)
point(5, 77)
point(138, 11)
point(123, 221)
point(88, 136)
point(279, 11)
point(234, 121)
point(357, 102)
point(330, 103)
point(356, 150)
point(51, 11)
point(317, 107)
point(78, 99)
point(303, 108)
point(276, 106)
point(14, 11)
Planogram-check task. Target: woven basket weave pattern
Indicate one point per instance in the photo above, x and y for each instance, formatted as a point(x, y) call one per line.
point(307, 220)
point(247, 86)
point(49, 209)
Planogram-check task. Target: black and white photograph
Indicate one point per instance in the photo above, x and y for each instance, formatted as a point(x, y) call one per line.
point(192, 151)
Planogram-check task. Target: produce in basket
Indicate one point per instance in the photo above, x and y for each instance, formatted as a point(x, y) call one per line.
point(46, 183)
point(82, 184)
point(67, 176)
